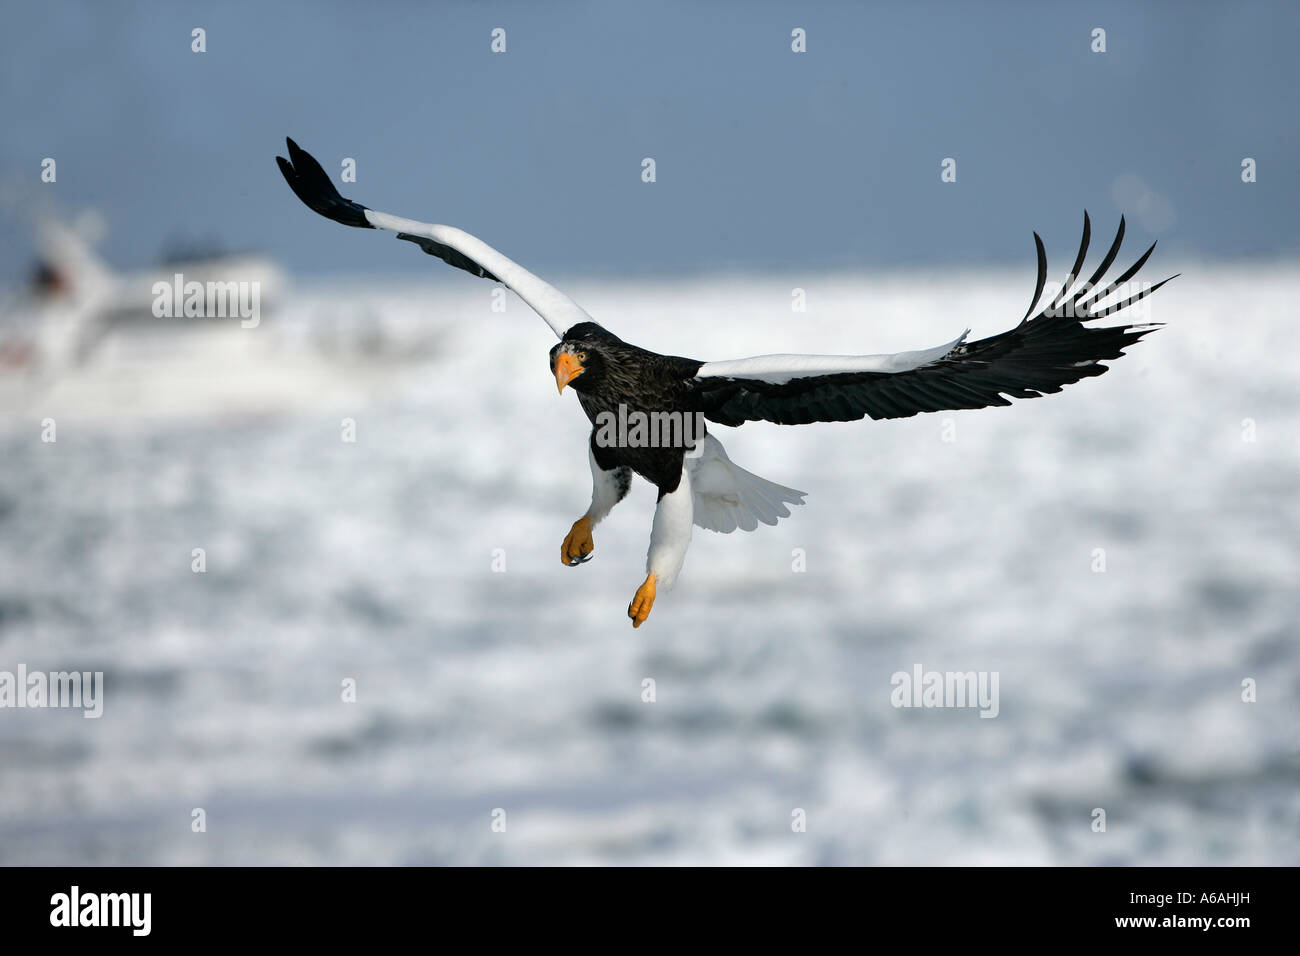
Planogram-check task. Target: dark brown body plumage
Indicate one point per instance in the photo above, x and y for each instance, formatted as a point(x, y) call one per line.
point(642, 381)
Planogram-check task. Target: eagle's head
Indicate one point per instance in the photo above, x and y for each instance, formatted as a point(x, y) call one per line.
point(581, 358)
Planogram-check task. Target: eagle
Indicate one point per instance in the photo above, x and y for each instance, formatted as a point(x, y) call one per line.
point(650, 413)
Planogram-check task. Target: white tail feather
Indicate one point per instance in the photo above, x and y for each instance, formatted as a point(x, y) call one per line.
point(728, 497)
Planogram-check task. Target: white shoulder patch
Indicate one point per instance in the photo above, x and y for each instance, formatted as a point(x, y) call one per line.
point(556, 309)
point(779, 369)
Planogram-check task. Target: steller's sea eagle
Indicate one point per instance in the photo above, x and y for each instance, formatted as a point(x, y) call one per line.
point(648, 411)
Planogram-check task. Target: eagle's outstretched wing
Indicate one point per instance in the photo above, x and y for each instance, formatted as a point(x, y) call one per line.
point(1038, 356)
point(453, 246)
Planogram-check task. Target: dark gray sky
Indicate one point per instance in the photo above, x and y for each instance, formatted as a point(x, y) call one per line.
point(765, 158)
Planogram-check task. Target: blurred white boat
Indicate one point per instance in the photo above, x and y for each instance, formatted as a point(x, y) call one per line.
point(84, 341)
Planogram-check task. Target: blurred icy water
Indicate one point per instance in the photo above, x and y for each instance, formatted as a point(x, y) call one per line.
point(522, 690)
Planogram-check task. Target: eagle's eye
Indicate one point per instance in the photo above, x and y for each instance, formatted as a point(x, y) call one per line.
point(582, 356)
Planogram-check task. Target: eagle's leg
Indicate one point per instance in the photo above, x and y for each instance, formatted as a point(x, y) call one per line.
point(669, 538)
point(609, 485)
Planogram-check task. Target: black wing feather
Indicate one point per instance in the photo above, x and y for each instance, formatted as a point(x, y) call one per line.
point(1078, 262)
point(312, 185)
point(449, 255)
point(1038, 357)
point(1042, 277)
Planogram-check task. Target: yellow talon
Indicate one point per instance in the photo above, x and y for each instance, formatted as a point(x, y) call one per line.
point(578, 544)
point(644, 600)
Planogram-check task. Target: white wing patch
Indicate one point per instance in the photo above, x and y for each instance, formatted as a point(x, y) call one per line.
point(557, 309)
point(728, 497)
point(779, 369)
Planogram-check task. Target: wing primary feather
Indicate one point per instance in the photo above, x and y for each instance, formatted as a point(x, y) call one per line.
point(1042, 277)
point(312, 185)
point(1128, 274)
point(1124, 304)
point(1078, 263)
point(1091, 284)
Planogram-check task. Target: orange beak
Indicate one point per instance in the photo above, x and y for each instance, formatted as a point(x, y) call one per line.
point(567, 368)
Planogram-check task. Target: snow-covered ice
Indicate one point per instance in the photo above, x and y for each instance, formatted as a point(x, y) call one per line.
point(522, 690)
